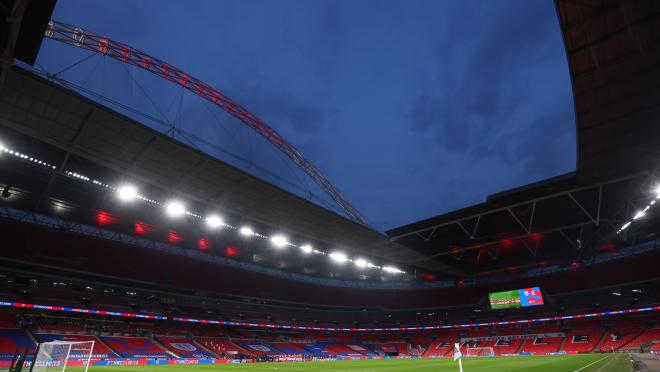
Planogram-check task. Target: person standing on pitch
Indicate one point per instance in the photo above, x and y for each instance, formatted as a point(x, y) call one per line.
point(458, 356)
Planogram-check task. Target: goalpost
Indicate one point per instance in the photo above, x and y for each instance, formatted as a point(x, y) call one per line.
point(57, 356)
point(479, 351)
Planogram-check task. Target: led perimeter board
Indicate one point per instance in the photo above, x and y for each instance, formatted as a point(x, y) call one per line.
point(516, 298)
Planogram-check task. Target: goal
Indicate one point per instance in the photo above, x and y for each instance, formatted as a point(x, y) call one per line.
point(479, 351)
point(58, 356)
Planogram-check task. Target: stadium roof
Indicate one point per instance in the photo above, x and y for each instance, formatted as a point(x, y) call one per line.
point(74, 131)
point(84, 135)
point(613, 52)
point(613, 49)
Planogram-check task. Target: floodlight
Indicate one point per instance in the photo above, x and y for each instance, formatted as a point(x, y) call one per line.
point(214, 221)
point(127, 192)
point(246, 231)
point(306, 248)
point(279, 241)
point(361, 263)
point(657, 192)
point(338, 257)
point(625, 226)
point(392, 270)
point(639, 215)
point(2, 147)
point(175, 208)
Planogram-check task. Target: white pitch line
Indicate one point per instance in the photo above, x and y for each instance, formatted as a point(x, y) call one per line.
point(592, 363)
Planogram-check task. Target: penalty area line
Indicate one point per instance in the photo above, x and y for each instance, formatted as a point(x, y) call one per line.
point(592, 363)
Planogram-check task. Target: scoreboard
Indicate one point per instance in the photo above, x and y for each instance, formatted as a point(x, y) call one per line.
point(516, 298)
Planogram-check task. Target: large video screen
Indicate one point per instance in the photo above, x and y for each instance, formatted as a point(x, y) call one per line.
point(516, 298)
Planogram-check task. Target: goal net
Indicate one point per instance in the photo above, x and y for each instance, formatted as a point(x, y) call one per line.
point(60, 356)
point(479, 351)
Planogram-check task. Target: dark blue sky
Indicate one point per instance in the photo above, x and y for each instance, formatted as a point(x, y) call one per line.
point(411, 108)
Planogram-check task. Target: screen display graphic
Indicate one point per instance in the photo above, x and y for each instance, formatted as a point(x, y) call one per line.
point(516, 298)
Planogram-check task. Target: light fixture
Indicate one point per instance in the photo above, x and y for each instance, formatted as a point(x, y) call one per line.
point(392, 270)
point(246, 231)
point(6, 191)
point(625, 226)
point(175, 208)
point(279, 241)
point(127, 192)
point(214, 221)
point(338, 257)
point(639, 215)
point(657, 192)
point(306, 248)
point(616, 294)
point(361, 263)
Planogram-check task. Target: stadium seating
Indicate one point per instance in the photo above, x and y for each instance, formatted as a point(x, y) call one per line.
point(287, 347)
point(183, 347)
point(317, 348)
point(12, 340)
point(221, 346)
point(583, 338)
point(538, 345)
point(622, 333)
point(443, 344)
point(258, 348)
point(135, 347)
point(505, 347)
point(648, 336)
point(399, 348)
point(99, 351)
point(341, 349)
point(7, 320)
point(440, 348)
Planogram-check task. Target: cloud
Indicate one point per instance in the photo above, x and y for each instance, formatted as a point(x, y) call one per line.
point(467, 98)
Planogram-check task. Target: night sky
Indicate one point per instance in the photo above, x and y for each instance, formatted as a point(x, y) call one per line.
point(411, 108)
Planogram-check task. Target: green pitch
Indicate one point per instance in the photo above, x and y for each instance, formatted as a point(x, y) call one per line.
point(563, 363)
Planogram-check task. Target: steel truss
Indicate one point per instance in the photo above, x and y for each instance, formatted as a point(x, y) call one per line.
point(75, 36)
point(470, 225)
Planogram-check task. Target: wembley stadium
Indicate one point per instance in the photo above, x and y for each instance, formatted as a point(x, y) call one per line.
point(131, 246)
